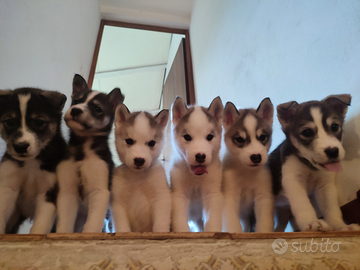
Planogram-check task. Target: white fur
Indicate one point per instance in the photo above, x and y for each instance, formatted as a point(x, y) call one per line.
point(247, 188)
point(94, 176)
point(33, 184)
point(197, 197)
point(141, 198)
point(299, 182)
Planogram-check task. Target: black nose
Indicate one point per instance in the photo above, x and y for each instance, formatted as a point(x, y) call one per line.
point(139, 162)
point(200, 157)
point(76, 112)
point(255, 158)
point(21, 148)
point(332, 152)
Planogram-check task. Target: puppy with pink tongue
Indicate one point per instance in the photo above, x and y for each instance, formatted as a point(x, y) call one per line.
point(304, 165)
point(196, 170)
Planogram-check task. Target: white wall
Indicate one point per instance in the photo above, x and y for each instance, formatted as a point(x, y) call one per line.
point(288, 50)
point(44, 43)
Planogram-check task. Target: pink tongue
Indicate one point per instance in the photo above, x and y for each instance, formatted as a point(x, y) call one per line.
point(333, 167)
point(198, 170)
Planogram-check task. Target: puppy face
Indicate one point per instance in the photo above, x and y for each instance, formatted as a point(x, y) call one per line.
point(315, 129)
point(139, 137)
point(248, 133)
point(91, 112)
point(197, 133)
point(29, 119)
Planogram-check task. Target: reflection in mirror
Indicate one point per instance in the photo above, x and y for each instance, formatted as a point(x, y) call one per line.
point(151, 65)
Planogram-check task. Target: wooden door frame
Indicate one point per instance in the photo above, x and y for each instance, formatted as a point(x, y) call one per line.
point(190, 88)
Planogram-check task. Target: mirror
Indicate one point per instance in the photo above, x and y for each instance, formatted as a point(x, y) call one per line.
point(151, 65)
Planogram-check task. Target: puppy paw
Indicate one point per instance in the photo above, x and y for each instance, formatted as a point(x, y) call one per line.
point(318, 225)
point(351, 227)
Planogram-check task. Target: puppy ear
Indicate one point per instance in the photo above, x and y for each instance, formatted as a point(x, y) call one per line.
point(266, 110)
point(216, 109)
point(286, 112)
point(122, 114)
point(179, 109)
point(4, 95)
point(79, 85)
point(230, 113)
point(339, 103)
point(116, 97)
point(56, 99)
point(162, 118)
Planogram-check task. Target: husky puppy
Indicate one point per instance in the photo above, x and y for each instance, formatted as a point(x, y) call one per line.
point(140, 196)
point(85, 176)
point(30, 125)
point(196, 172)
point(305, 163)
point(247, 182)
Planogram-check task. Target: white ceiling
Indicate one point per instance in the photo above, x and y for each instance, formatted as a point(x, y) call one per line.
point(167, 13)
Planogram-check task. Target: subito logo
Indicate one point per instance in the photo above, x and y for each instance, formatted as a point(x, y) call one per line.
point(279, 246)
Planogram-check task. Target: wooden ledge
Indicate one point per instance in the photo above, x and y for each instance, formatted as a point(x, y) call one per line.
point(172, 235)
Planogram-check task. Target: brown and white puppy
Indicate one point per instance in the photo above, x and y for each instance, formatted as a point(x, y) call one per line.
point(304, 165)
point(196, 171)
point(247, 182)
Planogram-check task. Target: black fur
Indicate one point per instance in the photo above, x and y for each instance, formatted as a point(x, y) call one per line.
point(48, 104)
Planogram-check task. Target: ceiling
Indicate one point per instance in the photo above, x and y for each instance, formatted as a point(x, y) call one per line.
point(167, 13)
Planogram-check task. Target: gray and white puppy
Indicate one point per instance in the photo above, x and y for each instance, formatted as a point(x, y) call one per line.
point(246, 177)
point(304, 165)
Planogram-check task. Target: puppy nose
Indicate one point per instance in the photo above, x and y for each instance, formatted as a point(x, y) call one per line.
point(332, 152)
point(76, 112)
point(21, 148)
point(256, 158)
point(139, 162)
point(200, 157)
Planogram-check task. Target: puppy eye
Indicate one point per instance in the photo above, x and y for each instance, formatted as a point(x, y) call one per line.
point(334, 127)
point(9, 123)
point(74, 102)
point(209, 137)
point(239, 139)
point(151, 143)
point(129, 141)
point(307, 133)
point(187, 137)
point(263, 137)
point(98, 109)
point(39, 123)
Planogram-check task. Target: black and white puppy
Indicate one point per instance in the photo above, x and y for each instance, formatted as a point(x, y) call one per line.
point(30, 125)
point(304, 165)
point(85, 176)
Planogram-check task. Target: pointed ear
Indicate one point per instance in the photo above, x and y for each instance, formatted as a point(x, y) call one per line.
point(79, 85)
point(216, 109)
point(266, 110)
point(286, 112)
point(122, 114)
point(116, 97)
point(179, 109)
point(339, 103)
point(162, 118)
point(4, 95)
point(230, 114)
point(56, 99)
